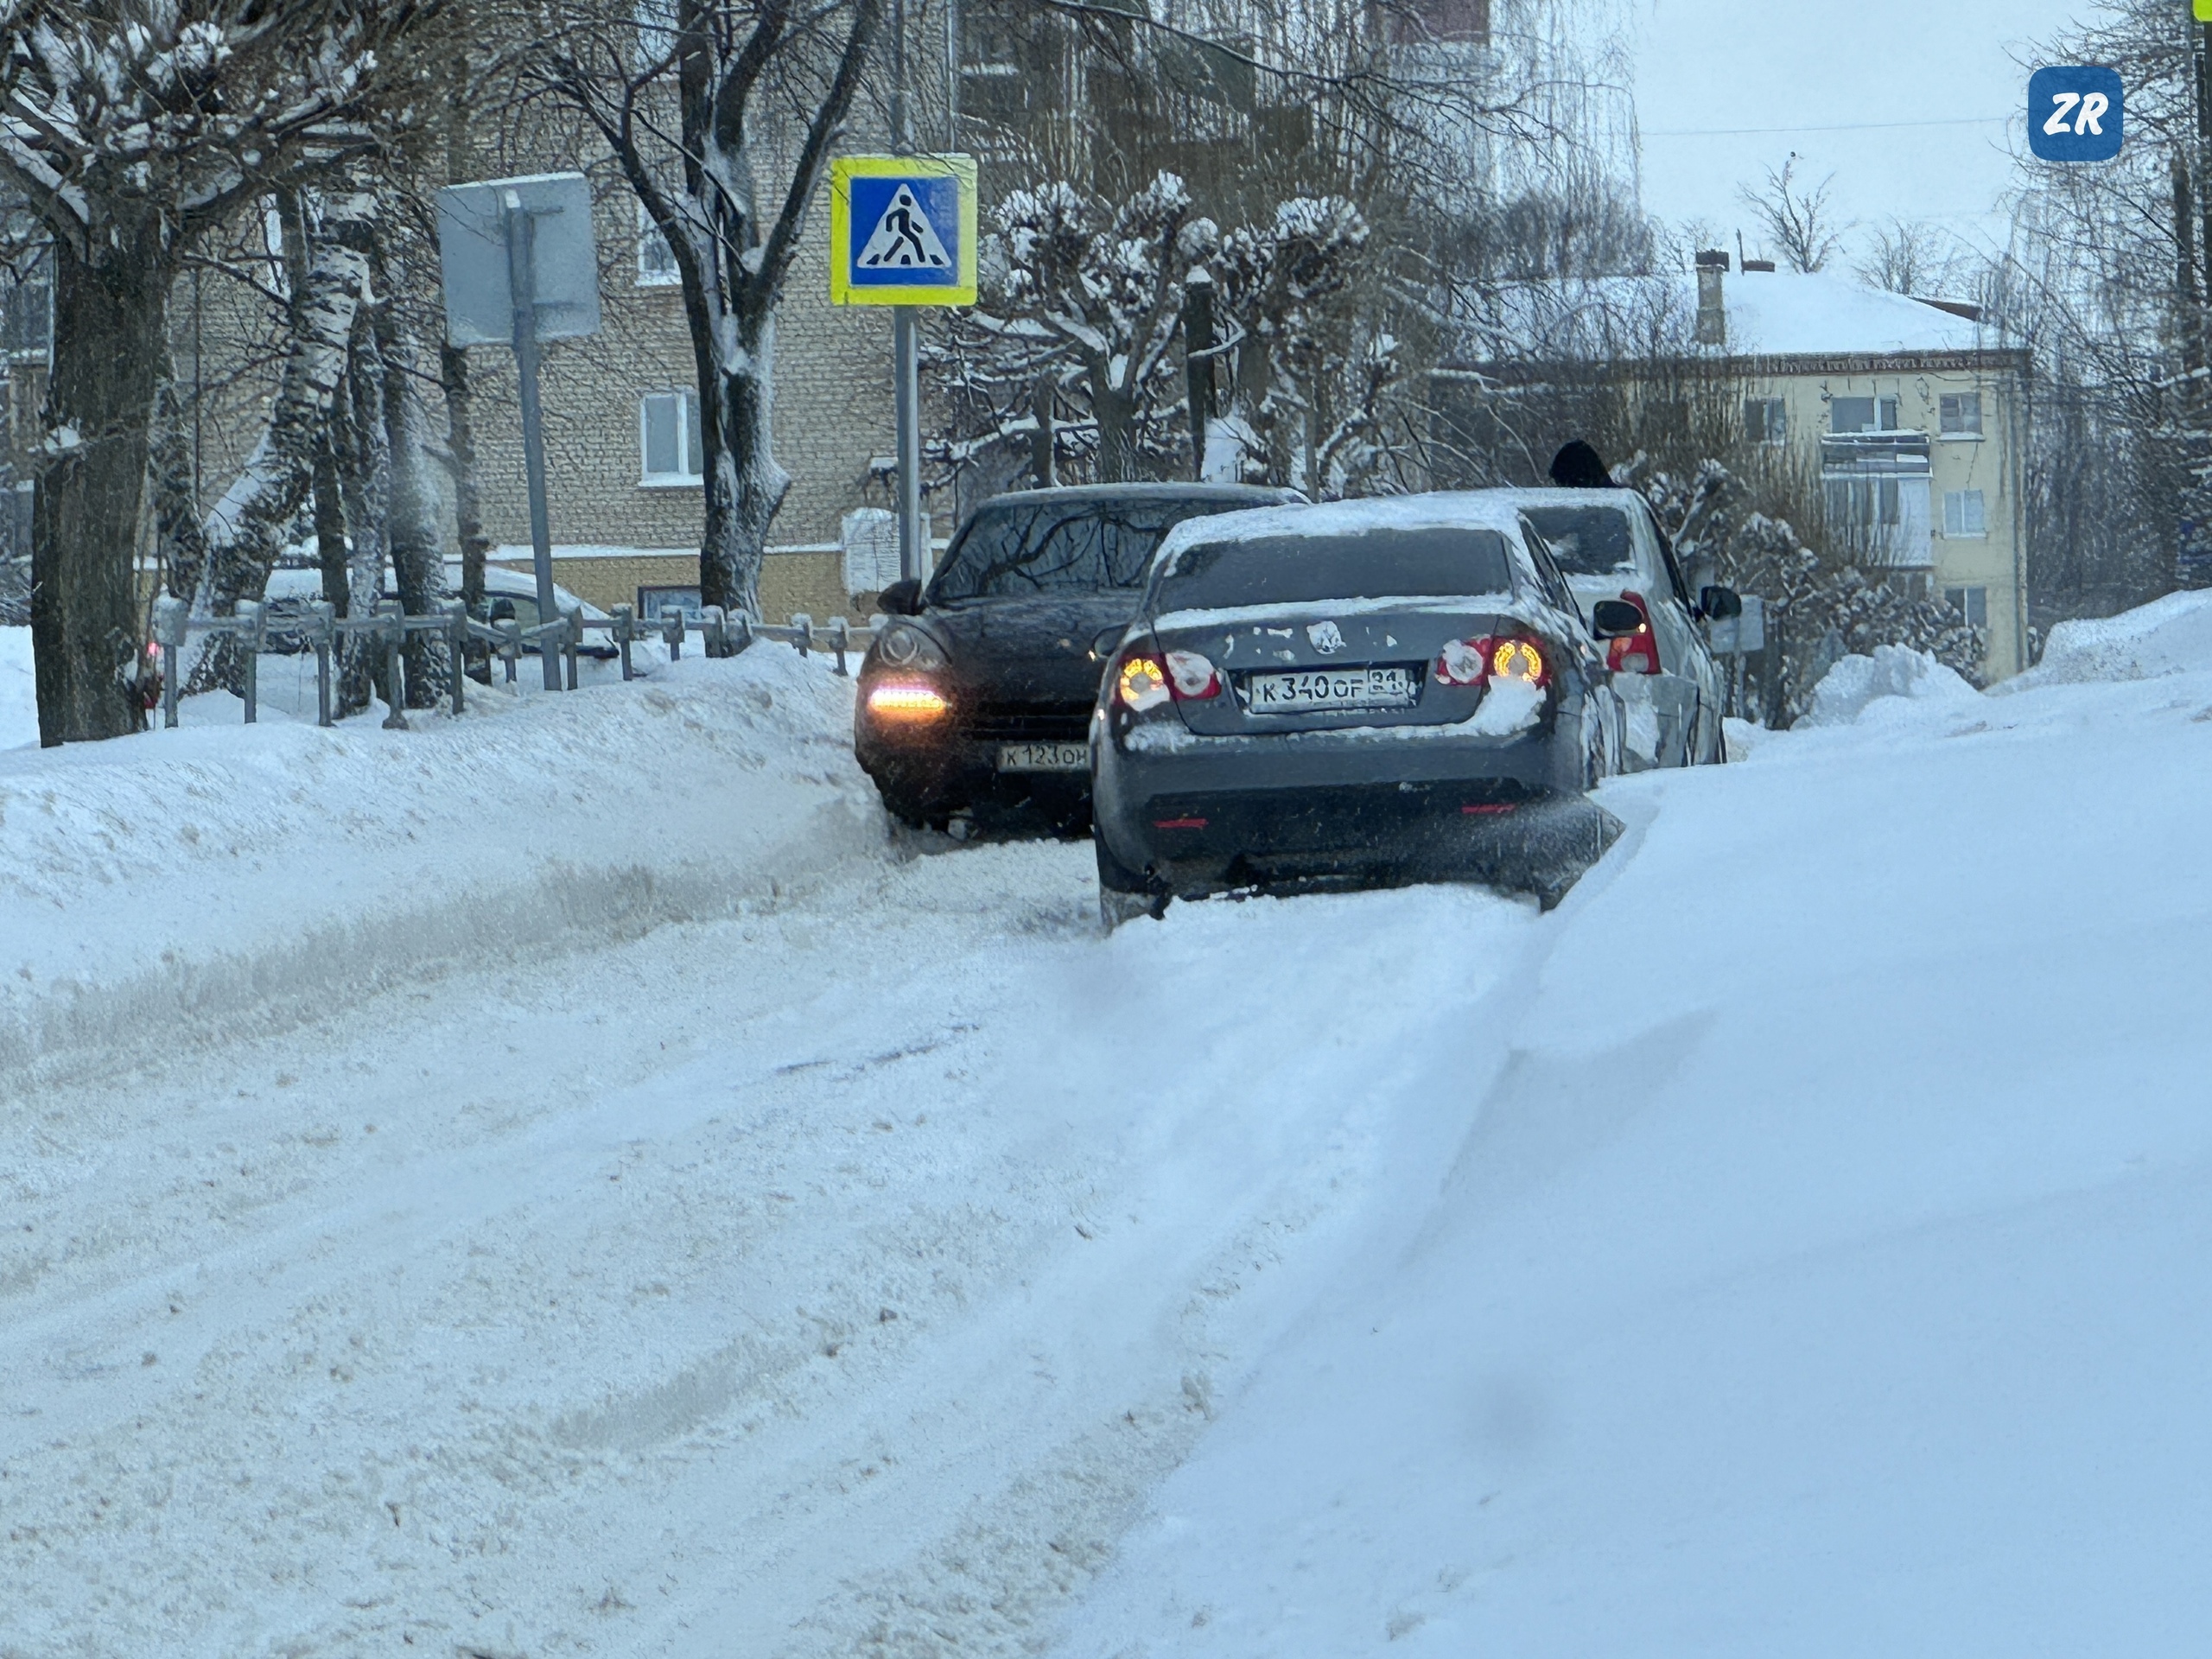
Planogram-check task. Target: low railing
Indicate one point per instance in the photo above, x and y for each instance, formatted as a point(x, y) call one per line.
point(321, 629)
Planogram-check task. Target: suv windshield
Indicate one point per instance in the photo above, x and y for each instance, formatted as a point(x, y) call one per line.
point(1301, 570)
point(1586, 540)
point(1013, 549)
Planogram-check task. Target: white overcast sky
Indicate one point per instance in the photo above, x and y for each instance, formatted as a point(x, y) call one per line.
point(1711, 67)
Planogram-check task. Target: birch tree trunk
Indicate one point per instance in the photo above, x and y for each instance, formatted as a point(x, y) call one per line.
point(111, 314)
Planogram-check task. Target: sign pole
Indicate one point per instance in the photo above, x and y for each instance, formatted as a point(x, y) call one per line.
point(522, 287)
point(913, 557)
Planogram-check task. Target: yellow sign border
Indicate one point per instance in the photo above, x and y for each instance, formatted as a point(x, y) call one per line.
point(844, 170)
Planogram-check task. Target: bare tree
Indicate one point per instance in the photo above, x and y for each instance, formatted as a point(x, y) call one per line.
point(1799, 224)
point(132, 127)
point(690, 98)
point(1911, 257)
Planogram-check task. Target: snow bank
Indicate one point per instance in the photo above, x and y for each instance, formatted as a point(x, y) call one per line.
point(269, 872)
point(2172, 635)
point(18, 702)
point(1853, 687)
point(1819, 1274)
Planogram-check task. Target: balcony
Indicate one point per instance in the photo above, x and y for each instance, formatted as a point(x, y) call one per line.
point(1874, 488)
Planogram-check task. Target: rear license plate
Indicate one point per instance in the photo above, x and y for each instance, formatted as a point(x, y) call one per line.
point(1044, 757)
point(1320, 690)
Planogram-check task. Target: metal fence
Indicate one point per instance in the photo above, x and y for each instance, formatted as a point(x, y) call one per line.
point(319, 628)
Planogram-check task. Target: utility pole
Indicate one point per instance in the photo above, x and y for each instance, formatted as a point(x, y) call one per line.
point(913, 555)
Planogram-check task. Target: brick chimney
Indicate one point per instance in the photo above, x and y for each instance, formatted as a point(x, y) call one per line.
point(1712, 309)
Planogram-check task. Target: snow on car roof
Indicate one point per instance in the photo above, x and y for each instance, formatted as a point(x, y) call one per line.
point(1437, 510)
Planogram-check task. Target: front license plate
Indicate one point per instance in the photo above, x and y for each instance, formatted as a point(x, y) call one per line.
point(1322, 689)
point(1044, 757)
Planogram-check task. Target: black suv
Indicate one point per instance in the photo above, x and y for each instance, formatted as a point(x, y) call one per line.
point(977, 697)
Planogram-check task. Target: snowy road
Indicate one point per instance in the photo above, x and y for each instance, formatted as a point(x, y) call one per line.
point(772, 1239)
point(820, 1278)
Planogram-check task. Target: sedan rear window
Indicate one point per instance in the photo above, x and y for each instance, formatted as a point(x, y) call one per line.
point(1013, 548)
point(1586, 540)
point(1305, 570)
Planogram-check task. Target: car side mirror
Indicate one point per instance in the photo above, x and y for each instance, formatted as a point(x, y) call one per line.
point(1614, 619)
point(1718, 604)
point(1108, 642)
point(901, 598)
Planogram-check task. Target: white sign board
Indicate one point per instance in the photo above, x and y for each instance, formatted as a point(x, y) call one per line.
point(1732, 636)
point(473, 249)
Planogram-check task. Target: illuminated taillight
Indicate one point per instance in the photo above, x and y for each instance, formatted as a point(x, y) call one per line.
point(1638, 652)
point(906, 702)
point(1141, 682)
point(1518, 657)
point(1191, 678)
point(1500, 656)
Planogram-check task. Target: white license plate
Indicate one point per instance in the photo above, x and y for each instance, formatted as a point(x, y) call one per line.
point(1320, 690)
point(1044, 757)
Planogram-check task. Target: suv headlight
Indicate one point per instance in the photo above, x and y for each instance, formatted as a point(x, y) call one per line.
point(904, 646)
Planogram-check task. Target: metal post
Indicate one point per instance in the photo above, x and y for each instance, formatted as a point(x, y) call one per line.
point(521, 289)
point(457, 648)
point(325, 615)
point(913, 557)
point(510, 644)
point(840, 638)
point(170, 614)
point(625, 619)
point(1198, 362)
point(395, 634)
point(802, 632)
point(906, 372)
point(248, 635)
point(573, 630)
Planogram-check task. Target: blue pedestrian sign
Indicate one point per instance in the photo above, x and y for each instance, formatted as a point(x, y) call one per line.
point(2075, 113)
point(902, 230)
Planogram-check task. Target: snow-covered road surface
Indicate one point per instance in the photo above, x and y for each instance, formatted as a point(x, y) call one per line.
point(802, 1243)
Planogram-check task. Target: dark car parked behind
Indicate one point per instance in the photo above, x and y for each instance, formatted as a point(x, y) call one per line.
point(977, 697)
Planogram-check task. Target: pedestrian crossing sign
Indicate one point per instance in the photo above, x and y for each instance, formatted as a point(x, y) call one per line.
point(902, 230)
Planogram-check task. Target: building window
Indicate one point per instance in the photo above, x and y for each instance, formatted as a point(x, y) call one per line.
point(1962, 514)
point(1972, 603)
point(656, 259)
point(1766, 420)
point(668, 424)
point(1959, 414)
point(1862, 414)
point(1863, 503)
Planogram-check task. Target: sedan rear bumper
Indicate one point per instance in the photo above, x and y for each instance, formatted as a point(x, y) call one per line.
point(1213, 815)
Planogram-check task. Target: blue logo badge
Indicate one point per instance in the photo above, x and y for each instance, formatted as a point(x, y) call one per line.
point(2074, 113)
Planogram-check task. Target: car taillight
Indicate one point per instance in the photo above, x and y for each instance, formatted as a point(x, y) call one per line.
point(1638, 652)
point(1141, 682)
point(1493, 657)
point(1191, 678)
point(906, 702)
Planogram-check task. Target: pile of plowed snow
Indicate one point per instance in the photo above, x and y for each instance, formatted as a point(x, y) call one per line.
point(226, 871)
point(2172, 635)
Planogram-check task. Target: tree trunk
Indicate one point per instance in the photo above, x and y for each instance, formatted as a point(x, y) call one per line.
point(110, 327)
point(743, 483)
point(365, 488)
point(468, 494)
point(411, 503)
point(1115, 412)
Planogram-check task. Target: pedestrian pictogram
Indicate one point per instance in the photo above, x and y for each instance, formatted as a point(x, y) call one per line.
point(902, 230)
point(904, 238)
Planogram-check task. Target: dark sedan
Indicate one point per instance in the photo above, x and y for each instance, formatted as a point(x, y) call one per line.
point(1357, 694)
point(977, 698)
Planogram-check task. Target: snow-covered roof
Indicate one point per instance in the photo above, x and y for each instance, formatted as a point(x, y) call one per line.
point(1768, 313)
point(1773, 313)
